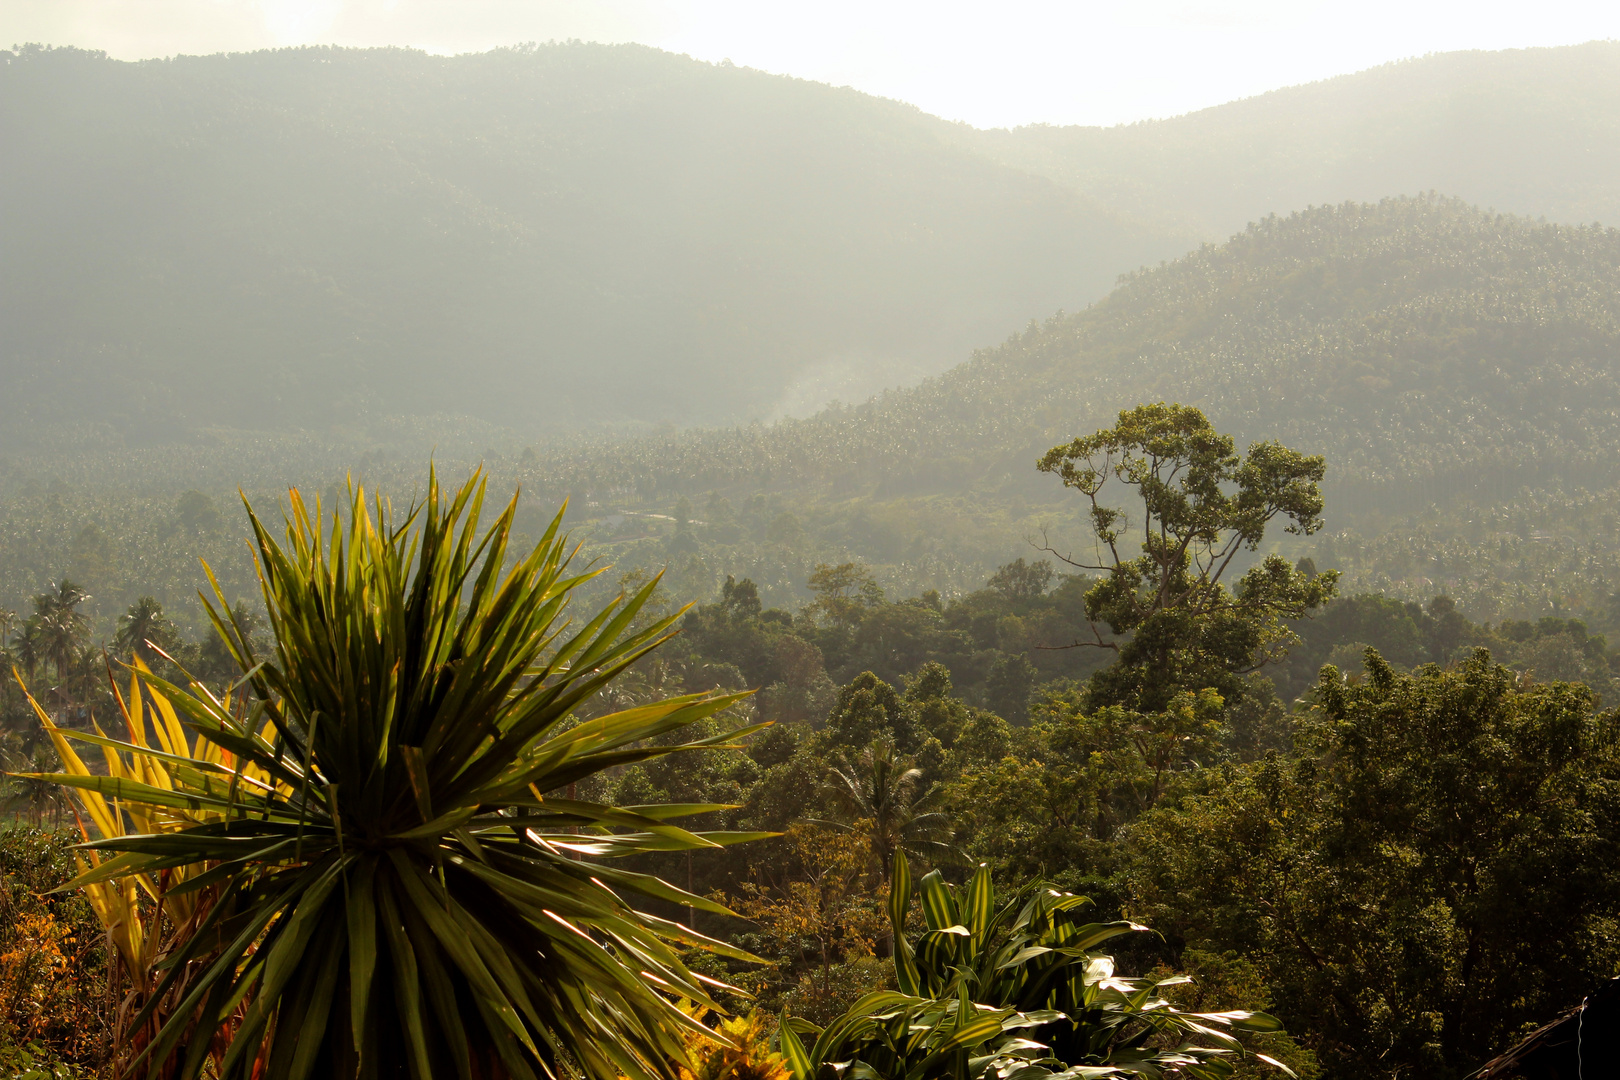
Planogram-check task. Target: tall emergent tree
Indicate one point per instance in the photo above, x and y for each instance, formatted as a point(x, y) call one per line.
point(1200, 506)
point(402, 887)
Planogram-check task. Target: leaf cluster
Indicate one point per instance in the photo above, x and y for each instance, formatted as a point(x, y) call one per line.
point(1012, 990)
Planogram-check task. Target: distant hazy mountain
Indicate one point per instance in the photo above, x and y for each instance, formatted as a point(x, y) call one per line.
point(544, 238)
point(1431, 351)
point(1527, 131)
point(575, 235)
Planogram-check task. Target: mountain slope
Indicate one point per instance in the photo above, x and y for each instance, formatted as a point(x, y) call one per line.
point(1429, 349)
point(1534, 132)
point(544, 238)
point(1460, 371)
point(557, 238)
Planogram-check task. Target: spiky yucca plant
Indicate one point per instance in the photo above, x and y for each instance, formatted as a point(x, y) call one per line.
point(410, 892)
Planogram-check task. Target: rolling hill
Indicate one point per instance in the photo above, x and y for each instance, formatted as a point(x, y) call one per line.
point(1429, 349)
point(1459, 369)
point(1532, 132)
point(571, 237)
point(546, 238)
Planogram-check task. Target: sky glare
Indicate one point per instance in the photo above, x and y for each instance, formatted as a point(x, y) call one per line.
point(992, 65)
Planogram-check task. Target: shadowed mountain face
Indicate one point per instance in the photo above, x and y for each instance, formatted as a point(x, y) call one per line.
point(542, 238)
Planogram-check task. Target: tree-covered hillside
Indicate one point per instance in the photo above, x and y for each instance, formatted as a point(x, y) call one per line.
point(1459, 369)
point(1431, 350)
point(547, 237)
point(1525, 131)
point(566, 236)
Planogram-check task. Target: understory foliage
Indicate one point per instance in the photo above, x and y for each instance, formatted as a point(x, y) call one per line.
point(1015, 989)
point(56, 997)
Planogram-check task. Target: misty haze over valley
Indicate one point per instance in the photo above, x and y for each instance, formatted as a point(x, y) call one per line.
point(1217, 516)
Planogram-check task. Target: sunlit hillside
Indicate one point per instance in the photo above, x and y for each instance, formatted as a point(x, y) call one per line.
point(1455, 367)
point(578, 237)
point(1430, 349)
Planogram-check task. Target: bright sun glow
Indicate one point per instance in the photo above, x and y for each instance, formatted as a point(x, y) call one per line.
point(1019, 61)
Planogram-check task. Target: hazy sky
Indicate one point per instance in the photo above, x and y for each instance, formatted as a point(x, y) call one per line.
point(991, 64)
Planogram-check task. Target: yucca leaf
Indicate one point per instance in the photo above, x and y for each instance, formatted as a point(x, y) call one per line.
point(905, 967)
point(939, 908)
point(418, 893)
point(649, 885)
point(317, 1004)
point(674, 931)
point(407, 988)
point(978, 905)
point(360, 910)
point(1275, 1064)
point(663, 812)
point(440, 992)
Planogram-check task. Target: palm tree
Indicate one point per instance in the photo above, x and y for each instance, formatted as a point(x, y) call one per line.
point(58, 630)
point(62, 626)
point(143, 626)
point(878, 794)
point(30, 782)
point(28, 646)
point(84, 683)
point(62, 599)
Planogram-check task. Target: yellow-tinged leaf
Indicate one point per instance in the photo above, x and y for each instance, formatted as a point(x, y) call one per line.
point(1274, 1063)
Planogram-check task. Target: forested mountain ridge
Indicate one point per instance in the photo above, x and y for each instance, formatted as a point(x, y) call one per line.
point(561, 237)
point(1460, 371)
point(1429, 349)
point(1534, 132)
point(546, 237)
